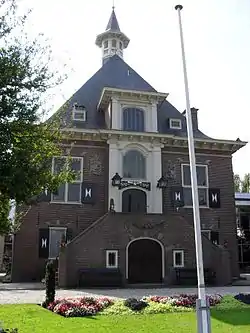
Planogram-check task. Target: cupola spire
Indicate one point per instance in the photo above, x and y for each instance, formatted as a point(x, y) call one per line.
point(112, 41)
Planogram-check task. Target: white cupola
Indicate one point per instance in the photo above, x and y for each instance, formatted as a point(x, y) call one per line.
point(112, 41)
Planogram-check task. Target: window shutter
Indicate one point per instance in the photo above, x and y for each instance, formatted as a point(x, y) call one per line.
point(44, 243)
point(177, 196)
point(88, 193)
point(214, 198)
point(45, 196)
point(215, 237)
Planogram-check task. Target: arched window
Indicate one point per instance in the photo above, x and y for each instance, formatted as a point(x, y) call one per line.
point(134, 165)
point(133, 120)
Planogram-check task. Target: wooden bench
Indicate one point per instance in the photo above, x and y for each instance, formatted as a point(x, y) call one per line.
point(99, 277)
point(189, 276)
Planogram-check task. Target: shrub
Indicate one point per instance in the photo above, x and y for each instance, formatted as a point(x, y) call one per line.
point(245, 298)
point(9, 330)
point(134, 304)
point(50, 281)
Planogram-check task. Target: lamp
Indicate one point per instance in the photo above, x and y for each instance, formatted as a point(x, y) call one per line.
point(116, 180)
point(162, 182)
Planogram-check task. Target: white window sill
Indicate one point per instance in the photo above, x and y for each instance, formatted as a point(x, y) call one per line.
point(111, 267)
point(179, 266)
point(191, 207)
point(66, 203)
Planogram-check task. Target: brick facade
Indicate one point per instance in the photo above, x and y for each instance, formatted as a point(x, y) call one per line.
point(92, 234)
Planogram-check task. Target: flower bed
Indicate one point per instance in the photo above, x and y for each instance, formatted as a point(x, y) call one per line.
point(89, 306)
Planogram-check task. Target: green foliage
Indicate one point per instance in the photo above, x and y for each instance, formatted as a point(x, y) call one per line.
point(27, 144)
point(242, 184)
point(50, 281)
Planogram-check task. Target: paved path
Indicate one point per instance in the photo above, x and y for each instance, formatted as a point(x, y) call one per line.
point(33, 293)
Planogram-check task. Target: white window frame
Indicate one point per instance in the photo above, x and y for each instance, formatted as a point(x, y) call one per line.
point(199, 187)
point(79, 111)
point(171, 120)
point(65, 201)
point(182, 258)
point(108, 252)
point(55, 228)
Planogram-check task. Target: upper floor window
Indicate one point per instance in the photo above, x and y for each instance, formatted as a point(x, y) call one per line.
point(202, 182)
point(79, 113)
point(175, 123)
point(121, 46)
point(133, 119)
point(113, 42)
point(134, 165)
point(68, 193)
point(106, 44)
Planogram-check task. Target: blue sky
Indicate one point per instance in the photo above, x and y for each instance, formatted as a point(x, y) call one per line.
point(217, 48)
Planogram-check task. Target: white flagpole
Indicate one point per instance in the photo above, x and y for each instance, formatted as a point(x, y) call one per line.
point(202, 310)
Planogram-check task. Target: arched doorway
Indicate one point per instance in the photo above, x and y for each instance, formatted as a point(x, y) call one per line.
point(145, 261)
point(134, 201)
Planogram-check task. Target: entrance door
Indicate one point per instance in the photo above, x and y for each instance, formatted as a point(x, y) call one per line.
point(134, 201)
point(144, 261)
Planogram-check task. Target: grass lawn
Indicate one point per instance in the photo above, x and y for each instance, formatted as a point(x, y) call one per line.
point(230, 316)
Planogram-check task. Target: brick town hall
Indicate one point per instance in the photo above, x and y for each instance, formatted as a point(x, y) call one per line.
point(127, 218)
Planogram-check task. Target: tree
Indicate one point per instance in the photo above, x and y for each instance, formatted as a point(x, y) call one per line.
point(246, 183)
point(27, 144)
point(237, 183)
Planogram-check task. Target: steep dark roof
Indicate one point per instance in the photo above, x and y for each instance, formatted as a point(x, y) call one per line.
point(115, 73)
point(113, 24)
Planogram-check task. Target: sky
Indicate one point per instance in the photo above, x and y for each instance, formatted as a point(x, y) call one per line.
point(217, 46)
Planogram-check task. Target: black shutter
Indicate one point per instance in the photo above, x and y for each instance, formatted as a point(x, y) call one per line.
point(215, 237)
point(45, 196)
point(69, 235)
point(177, 196)
point(214, 198)
point(88, 193)
point(44, 243)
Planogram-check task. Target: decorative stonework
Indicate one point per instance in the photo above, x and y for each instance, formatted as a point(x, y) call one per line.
point(95, 164)
point(148, 224)
point(170, 172)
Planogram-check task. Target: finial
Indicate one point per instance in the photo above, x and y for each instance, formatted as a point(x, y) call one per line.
point(178, 7)
point(113, 7)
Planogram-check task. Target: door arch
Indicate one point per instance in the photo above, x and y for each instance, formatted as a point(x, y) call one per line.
point(134, 201)
point(145, 261)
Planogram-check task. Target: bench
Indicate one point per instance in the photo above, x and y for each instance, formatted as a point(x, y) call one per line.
point(189, 276)
point(99, 277)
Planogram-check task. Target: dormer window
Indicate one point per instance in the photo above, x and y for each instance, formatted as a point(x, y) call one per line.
point(175, 123)
point(79, 113)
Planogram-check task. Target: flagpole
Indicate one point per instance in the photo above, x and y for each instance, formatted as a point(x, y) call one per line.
point(203, 314)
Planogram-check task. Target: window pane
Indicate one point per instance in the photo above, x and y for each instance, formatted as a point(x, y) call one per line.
point(133, 120)
point(106, 44)
point(74, 192)
point(56, 236)
point(134, 165)
point(59, 164)
point(201, 175)
point(76, 167)
point(121, 45)
point(187, 194)
point(188, 201)
point(111, 259)
point(178, 258)
point(60, 196)
point(113, 43)
point(186, 175)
